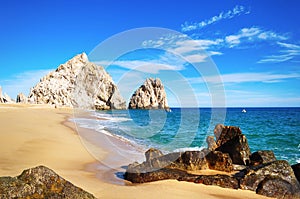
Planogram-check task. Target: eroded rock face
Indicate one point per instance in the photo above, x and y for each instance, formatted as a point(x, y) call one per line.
point(78, 83)
point(232, 141)
point(219, 161)
point(278, 174)
point(151, 95)
point(40, 182)
point(296, 168)
point(152, 153)
point(21, 98)
point(262, 157)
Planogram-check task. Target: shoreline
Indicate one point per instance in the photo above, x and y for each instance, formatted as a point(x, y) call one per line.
point(38, 136)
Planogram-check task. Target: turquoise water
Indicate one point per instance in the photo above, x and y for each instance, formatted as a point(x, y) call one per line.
point(276, 129)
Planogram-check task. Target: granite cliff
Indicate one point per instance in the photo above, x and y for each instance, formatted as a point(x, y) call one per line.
point(78, 83)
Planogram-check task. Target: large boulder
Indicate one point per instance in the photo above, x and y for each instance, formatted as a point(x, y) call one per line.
point(224, 181)
point(211, 143)
point(219, 161)
point(296, 169)
point(278, 175)
point(40, 182)
point(277, 188)
point(232, 141)
point(152, 153)
point(262, 157)
point(191, 161)
point(78, 83)
point(151, 95)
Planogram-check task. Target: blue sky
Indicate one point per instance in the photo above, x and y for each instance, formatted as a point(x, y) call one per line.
point(254, 45)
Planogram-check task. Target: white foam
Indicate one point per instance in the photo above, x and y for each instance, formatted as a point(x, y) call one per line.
point(188, 149)
point(111, 117)
point(298, 161)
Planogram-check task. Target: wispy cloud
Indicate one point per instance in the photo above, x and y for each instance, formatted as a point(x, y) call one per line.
point(252, 35)
point(245, 78)
point(236, 11)
point(288, 52)
point(151, 66)
point(22, 82)
point(198, 50)
point(193, 50)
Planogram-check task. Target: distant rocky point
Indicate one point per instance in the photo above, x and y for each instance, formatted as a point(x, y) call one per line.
point(40, 182)
point(4, 98)
point(77, 83)
point(151, 95)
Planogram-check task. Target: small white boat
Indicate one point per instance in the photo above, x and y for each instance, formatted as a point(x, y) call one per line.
point(244, 111)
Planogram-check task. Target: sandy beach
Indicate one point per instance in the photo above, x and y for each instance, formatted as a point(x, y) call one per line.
point(39, 135)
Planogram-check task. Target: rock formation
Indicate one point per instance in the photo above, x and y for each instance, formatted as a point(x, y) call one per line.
point(5, 98)
point(296, 168)
point(40, 182)
point(232, 141)
point(21, 98)
point(259, 171)
point(1, 96)
point(257, 178)
point(151, 95)
point(78, 83)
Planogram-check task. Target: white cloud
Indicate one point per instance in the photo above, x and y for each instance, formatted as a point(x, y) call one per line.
point(245, 77)
point(22, 82)
point(250, 35)
point(151, 66)
point(196, 58)
point(288, 52)
point(236, 11)
point(193, 50)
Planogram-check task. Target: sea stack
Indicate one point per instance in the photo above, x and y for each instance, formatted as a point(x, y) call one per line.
point(150, 95)
point(78, 83)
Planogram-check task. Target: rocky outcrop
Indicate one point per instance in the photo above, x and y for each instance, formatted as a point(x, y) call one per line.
point(275, 179)
point(219, 161)
point(296, 168)
point(151, 95)
point(78, 83)
point(262, 157)
point(21, 98)
point(259, 172)
point(40, 182)
point(152, 153)
point(232, 141)
point(5, 98)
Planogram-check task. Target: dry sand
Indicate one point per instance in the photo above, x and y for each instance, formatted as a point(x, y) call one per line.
point(36, 135)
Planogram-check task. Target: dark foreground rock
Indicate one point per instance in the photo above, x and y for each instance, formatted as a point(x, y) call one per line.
point(296, 168)
point(232, 141)
point(39, 182)
point(275, 179)
point(259, 172)
point(262, 157)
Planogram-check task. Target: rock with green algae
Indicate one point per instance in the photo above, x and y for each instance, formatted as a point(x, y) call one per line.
point(40, 182)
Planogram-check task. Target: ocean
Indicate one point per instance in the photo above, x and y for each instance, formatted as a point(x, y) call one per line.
point(276, 129)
